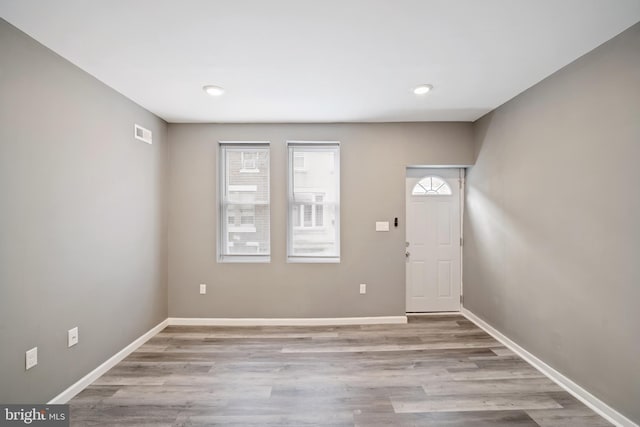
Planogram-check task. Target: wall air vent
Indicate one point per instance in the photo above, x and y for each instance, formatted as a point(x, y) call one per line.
point(142, 134)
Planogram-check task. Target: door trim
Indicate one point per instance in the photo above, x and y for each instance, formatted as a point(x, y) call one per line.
point(462, 174)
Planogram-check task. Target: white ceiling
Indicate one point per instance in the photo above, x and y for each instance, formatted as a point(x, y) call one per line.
point(321, 61)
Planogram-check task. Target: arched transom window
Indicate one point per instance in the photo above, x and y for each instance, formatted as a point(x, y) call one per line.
point(431, 186)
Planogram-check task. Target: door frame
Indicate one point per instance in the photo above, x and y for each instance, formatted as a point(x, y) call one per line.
point(462, 181)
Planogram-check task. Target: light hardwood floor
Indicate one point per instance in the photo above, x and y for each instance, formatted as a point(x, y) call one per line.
point(433, 371)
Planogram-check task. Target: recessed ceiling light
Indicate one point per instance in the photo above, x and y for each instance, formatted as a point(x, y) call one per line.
point(422, 89)
point(213, 90)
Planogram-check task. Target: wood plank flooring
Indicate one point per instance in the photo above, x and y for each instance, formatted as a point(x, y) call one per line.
point(433, 371)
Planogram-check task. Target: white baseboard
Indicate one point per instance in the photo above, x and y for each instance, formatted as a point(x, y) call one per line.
point(317, 321)
point(83, 382)
point(436, 313)
point(567, 384)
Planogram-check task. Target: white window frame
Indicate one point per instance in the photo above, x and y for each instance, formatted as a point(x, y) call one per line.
point(431, 192)
point(319, 146)
point(222, 225)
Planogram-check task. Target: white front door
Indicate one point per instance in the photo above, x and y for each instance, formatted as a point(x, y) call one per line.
point(433, 249)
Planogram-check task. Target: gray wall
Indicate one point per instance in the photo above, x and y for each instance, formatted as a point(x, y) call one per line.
point(551, 229)
point(82, 220)
point(373, 160)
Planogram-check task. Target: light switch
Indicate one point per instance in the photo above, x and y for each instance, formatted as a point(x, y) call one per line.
point(382, 225)
point(72, 337)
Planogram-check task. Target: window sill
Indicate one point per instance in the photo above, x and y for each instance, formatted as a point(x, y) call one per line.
point(313, 260)
point(254, 259)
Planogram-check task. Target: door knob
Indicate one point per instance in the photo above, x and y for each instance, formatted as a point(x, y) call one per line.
point(407, 254)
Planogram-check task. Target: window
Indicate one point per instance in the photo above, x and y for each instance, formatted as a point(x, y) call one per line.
point(298, 162)
point(431, 186)
point(310, 212)
point(318, 217)
point(244, 209)
point(248, 161)
point(314, 202)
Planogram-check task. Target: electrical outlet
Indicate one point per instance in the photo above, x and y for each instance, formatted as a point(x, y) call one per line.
point(72, 337)
point(31, 358)
point(203, 288)
point(363, 288)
